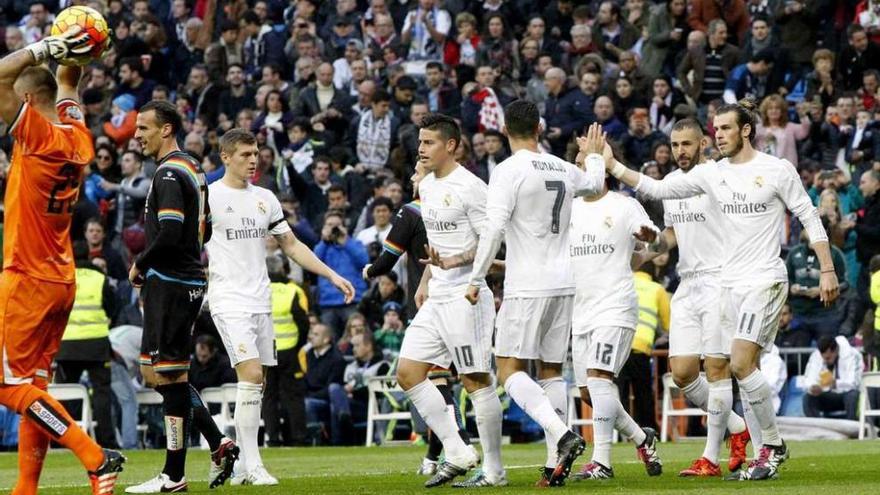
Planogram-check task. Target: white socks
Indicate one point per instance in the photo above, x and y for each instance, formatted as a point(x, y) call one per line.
point(760, 398)
point(605, 408)
point(557, 392)
point(625, 424)
point(718, 408)
point(752, 422)
point(248, 405)
point(698, 392)
point(532, 399)
point(430, 404)
point(487, 408)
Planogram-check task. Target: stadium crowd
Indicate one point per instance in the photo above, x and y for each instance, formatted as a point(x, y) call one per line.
point(334, 92)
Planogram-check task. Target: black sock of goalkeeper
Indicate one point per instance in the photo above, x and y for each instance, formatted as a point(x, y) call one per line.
point(435, 447)
point(177, 413)
point(446, 392)
point(202, 420)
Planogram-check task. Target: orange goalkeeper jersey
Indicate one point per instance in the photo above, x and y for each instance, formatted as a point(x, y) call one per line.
point(44, 179)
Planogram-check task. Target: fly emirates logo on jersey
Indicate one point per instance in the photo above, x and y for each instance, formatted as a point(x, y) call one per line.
point(248, 230)
point(686, 213)
point(591, 246)
point(745, 203)
point(435, 222)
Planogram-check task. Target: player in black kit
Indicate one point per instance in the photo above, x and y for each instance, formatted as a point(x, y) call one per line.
point(172, 280)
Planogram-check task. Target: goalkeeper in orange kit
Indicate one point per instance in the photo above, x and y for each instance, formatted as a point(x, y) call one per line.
point(37, 285)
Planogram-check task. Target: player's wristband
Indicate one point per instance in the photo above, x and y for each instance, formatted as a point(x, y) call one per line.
point(618, 170)
point(828, 271)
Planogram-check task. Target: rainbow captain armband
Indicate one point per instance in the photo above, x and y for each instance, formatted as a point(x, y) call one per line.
point(170, 214)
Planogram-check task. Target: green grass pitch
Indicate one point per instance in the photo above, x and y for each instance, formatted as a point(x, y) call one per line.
point(816, 468)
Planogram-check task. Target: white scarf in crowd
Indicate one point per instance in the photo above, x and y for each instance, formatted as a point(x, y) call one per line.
point(374, 140)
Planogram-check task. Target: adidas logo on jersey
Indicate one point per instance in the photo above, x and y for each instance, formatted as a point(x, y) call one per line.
point(229, 209)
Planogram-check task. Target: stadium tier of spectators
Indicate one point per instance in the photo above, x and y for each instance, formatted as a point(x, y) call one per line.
point(335, 91)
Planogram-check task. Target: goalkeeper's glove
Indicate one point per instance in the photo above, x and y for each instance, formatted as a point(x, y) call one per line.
point(72, 43)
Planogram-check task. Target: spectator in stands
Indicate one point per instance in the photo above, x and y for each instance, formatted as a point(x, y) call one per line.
point(131, 192)
point(710, 62)
point(386, 289)
point(625, 98)
point(535, 89)
point(832, 378)
point(581, 45)
point(132, 81)
point(224, 52)
point(383, 36)
point(356, 325)
point(859, 55)
point(95, 238)
point(496, 152)
point(324, 104)
point(733, 13)
point(639, 138)
point(368, 363)
point(803, 277)
point(612, 34)
point(374, 133)
point(389, 336)
point(867, 228)
point(403, 94)
point(821, 80)
point(209, 367)
point(425, 30)
point(121, 126)
point(607, 117)
point(567, 111)
point(667, 33)
point(483, 108)
point(790, 332)
point(374, 236)
point(463, 48)
point(665, 99)
point(440, 95)
point(863, 148)
point(325, 368)
point(272, 123)
point(312, 195)
point(347, 257)
point(776, 135)
point(751, 79)
point(498, 47)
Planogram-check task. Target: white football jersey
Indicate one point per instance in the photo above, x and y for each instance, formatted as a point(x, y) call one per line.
point(753, 197)
point(241, 220)
point(529, 204)
point(602, 245)
point(454, 213)
point(698, 224)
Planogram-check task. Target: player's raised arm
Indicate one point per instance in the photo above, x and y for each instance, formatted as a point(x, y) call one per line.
point(589, 159)
point(679, 187)
point(304, 257)
point(68, 77)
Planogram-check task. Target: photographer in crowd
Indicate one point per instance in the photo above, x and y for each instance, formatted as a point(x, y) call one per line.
point(347, 256)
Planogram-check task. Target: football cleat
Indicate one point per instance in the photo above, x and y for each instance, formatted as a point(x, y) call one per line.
point(544, 481)
point(480, 480)
point(222, 461)
point(737, 443)
point(103, 480)
point(448, 470)
point(594, 471)
point(766, 466)
point(260, 477)
point(569, 447)
point(427, 468)
point(159, 484)
point(647, 453)
point(701, 467)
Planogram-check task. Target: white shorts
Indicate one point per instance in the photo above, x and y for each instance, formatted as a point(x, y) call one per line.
point(752, 313)
point(605, 349)
point(535, 328)
point(247, 336)
point(450, 331)
point(695, 328)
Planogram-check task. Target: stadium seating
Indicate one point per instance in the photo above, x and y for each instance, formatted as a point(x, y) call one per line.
point(379, 387)
point(868, 410)
point(75, 391)
point(669, 411)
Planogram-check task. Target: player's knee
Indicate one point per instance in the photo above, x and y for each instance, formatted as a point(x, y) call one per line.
point(741, 368)
point(685, 377)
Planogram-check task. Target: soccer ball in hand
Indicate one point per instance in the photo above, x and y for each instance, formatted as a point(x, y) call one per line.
point(92, 22)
